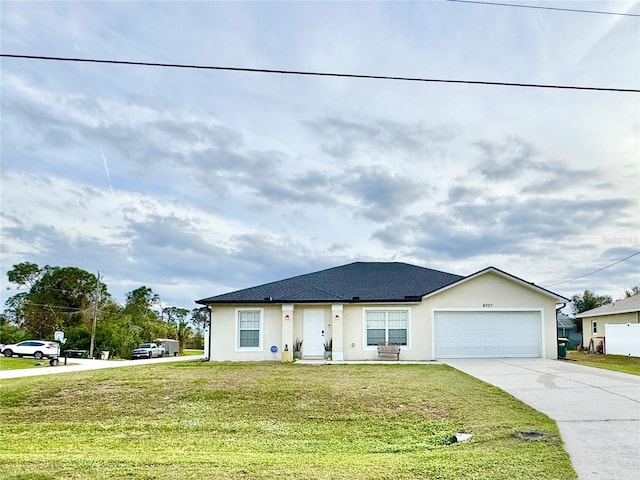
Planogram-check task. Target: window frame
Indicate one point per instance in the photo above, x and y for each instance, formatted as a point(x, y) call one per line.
point(260, 346)
point(365, 310)
point(594, 327)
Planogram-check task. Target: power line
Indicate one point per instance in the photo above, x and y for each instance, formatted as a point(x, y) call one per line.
point(596, 271)
point(318, 74)
point(539, 7)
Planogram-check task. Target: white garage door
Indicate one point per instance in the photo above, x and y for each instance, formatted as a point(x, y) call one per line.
point(487, 334)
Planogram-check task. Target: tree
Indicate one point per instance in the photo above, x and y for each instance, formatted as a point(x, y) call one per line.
point(175, 315)
point(200, 317)
point(118, 333)
point(25, 273)
point(59, 298)
point(141, 301)
point(9, 333)
point(184, 334)
point(587, 301)
point(200, 320)
point(68, 298)
point(140, 309)
point(630, 293)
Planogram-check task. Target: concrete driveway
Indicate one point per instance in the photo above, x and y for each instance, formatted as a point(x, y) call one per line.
point(80, 364)
point(597, 411)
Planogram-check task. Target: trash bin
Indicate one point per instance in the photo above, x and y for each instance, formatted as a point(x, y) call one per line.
point(104, 355)
point(562, 347)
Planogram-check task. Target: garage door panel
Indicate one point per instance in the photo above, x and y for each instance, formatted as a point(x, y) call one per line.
point(487, 334)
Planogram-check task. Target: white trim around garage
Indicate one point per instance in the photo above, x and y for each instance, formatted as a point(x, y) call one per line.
point(539, 325)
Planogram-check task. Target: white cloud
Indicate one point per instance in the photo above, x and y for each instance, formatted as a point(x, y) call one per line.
point(224, 180)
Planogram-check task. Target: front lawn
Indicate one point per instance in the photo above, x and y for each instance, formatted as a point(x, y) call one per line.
point(271, 420)
point(617, 363)
point(191, 351)
point(15, 363)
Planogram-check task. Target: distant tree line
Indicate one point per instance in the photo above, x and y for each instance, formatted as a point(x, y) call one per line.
point(75, 301)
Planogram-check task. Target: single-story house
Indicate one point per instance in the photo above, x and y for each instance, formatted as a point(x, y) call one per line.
point(567, 329)
point(432, 314)
point(620, 312)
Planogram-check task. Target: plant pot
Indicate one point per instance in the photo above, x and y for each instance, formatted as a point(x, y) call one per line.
point(327, 355)
point(296, 354)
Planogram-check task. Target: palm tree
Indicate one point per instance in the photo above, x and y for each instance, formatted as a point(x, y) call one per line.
point(184, 334)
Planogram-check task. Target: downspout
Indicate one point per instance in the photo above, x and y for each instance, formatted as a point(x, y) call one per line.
point(562, 305)
point(210, 336)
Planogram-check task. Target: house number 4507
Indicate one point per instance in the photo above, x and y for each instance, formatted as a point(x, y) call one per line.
point(487, 305)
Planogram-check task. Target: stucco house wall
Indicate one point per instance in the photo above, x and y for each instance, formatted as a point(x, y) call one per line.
point(224, 334)
point(587, 325)
point(492, 293)
point(623, 311)
point(488, 292)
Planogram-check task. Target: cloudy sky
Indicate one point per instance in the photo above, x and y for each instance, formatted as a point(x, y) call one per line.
point(198, 182)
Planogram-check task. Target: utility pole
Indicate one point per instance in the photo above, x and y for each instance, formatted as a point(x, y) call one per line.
point(95, 316)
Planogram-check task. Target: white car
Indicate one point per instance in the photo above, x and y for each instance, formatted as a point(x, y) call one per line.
point(32, 348)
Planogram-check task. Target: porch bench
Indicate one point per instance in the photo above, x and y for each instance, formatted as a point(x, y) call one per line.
point(389, 349)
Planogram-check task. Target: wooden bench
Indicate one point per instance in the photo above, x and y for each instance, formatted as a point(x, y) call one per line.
point(389, 349)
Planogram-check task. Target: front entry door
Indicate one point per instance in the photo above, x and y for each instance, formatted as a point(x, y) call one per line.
point(313, 333)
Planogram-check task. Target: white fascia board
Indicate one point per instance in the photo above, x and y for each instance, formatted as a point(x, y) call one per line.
point(604, 314)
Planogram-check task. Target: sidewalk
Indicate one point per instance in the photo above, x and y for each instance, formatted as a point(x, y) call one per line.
point(83, 364)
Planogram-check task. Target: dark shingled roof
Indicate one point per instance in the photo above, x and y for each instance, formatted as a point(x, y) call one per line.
point(355, 282)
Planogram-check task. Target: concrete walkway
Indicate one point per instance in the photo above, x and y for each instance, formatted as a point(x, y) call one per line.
point(597, 411)
point(80, 365)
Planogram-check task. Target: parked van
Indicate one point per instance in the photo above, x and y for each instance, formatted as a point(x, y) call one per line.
point(171, 347)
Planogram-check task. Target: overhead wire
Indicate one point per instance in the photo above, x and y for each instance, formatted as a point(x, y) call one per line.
point(376, 77)
point(540, 7)
point(596, 271)
point(73, 309)
point(317, 74)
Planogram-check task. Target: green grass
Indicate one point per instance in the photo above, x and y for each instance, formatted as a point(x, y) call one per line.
point(191, 351)
point(272, 421)
point(15, 363)
point(617, 363)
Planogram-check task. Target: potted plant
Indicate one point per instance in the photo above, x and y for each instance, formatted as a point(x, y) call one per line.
point(328, 347)
point(297, 349)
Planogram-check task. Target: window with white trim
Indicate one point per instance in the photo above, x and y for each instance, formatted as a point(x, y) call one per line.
point(249, 328)
point(387, 326)
point(594, 327)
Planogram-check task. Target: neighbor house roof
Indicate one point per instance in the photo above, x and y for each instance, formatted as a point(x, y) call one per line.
point(351, 283)
point(564, 321)
point(626, 305)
